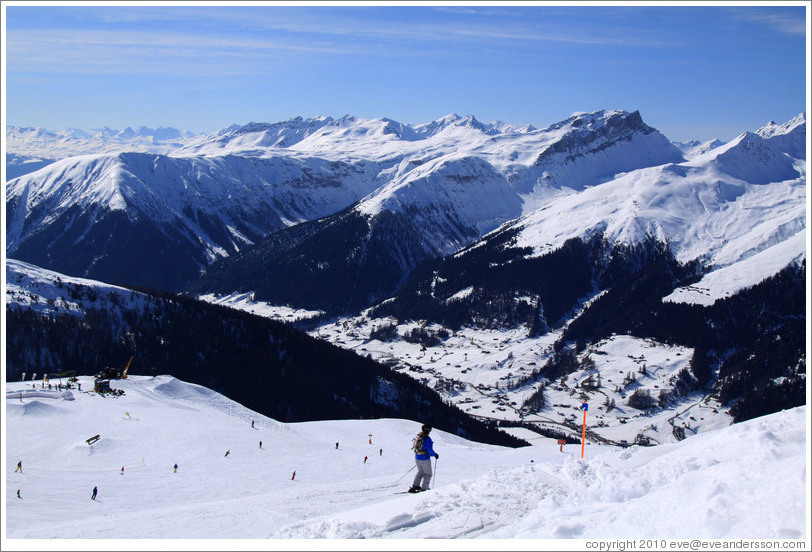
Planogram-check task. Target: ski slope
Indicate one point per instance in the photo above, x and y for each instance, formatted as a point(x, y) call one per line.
point(743, 481)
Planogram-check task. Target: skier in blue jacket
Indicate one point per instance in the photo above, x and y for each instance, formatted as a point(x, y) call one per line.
point(424, 450)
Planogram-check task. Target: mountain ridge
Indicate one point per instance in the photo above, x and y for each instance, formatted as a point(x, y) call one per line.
point(184, 195)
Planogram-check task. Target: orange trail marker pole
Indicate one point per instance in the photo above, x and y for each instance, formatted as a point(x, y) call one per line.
point(584, 407)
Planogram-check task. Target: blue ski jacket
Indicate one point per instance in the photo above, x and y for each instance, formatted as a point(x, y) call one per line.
point(428, 447)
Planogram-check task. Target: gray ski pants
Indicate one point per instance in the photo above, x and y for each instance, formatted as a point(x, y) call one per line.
point(423, 476)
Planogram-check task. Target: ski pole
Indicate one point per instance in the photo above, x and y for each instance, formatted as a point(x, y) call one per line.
point(434, 475)
point(404, 475)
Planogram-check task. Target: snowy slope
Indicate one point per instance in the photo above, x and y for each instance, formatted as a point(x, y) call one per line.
point(110, 217)
point(260, 195)
point(721, 207)
point(746, 481)
point(43, 291)
point(732, 278)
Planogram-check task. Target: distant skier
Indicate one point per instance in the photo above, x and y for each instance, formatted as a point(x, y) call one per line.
point(260, 444)
point(252, 424)
point(336, 445)
point(380, 452)
point(176, 468)
point(292, 477)
point(19, 467)
point(227, 453)
point(122, 470)
point(423, 451)
point(365, 459)
point(18, 493)
point(95, 492)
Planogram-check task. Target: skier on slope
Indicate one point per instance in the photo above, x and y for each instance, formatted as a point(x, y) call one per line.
point(423, 451)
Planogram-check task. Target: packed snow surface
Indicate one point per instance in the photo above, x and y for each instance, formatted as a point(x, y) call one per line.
point(743, 481)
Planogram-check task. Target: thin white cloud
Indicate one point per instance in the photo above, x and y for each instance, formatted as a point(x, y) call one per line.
point(240, 40)
point(108, 51)
point(783, 23)
point(243, 42)
point(566, 30)
point(109, 37)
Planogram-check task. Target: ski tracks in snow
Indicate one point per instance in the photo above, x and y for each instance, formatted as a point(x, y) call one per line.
point(467, 509)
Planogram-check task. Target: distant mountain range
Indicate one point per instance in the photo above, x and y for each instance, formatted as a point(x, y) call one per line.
point(594, 227)
point(30, 149)
point(451, 181)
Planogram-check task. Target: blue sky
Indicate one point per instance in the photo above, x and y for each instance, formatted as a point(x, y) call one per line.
point(692, 71)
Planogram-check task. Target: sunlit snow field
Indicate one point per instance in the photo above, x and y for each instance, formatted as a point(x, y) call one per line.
point(745, 481)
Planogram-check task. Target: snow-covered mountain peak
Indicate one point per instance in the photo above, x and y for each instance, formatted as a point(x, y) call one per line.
point(346, 120)
point(598, 126)
point(257, 135)
point(402, 131)
point(448, 190)
point(773, 129)
point(590, 147)
point(452, 120)
point(78, 181)
point(751, 158)
point(694, 148)
point(789, 138)
point(596, 119)
point(29, 132)
point(26, 143)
